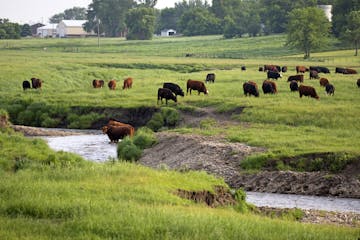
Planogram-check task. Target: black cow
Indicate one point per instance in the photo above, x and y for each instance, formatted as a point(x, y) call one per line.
point(273, 75)
point(320, 69)
point(358, 83)
point(294, 86)
point(261, 69)
point(243, 68)
point(330, 89)
point(26, 85)
point(251, 88)
point(340, 70)
point(176, 89)
point(314, 74)
point(284, 69)
point(210, 77)
point(165, 93)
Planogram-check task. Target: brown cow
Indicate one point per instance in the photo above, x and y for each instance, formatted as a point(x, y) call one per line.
point(273, 68)
point(307, 91)
point(36, 83)
point(196, 85)
point(128, 83)
point(250, 88)
point(116, 123)
point(117, 132)
point(167, 94)
point(269, 87)
point(349, 71)
point(323, 82)
point(112, 84)
point(298, 78)
point(98, 83)
point(314, 74)
point(301, 69)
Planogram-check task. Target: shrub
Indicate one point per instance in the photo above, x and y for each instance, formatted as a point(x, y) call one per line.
point(167, 117)
point(156, 122)
point(127, 150)
point(82, 121)
point(144, 138)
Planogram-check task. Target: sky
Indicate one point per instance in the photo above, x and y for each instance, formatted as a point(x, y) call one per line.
point(34, 11)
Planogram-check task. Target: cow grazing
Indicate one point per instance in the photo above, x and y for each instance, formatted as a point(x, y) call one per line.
point(261, 69)
point(358, 83)
point(330, 89)
point(98, 83)
point(196, 85)
point(128, 83)
point(323, 82)
point(26, 85)
point(269, 87)
point(273, 68)
point(350, 71)
point(251, 88)
point(167, 94)
point(36, 83)
point(299, 78)
point(243, 68)
point(176, 89)
point(210, 77)
point(307, 91)
point(117, 132)
point(340, 70)
point(301, 69)
point(112, 84)
point(273, 75)
point(294, 86)
point(284, 69)
point(314, 74)
point(320, 69)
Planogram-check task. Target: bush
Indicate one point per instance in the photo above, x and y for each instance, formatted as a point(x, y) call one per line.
point(82, 121)
point(167, 117)
point(128, 151)
point(144, 138)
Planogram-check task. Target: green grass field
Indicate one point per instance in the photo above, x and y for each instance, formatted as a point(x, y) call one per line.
point(47, 195)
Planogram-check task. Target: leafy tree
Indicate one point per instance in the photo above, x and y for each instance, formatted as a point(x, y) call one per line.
point(352, 31)
point(25, 30)
point(167, 19)
point(199, 21)
point(110, 14)
point(340, 11)
point(9, 30)
point(147, 3)
point(141, 23)
point(75, 13)
point(308, 29)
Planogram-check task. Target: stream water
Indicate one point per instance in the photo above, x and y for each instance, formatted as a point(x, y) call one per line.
point(96, 147)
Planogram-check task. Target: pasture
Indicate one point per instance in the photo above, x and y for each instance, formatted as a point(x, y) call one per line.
point(48, 195)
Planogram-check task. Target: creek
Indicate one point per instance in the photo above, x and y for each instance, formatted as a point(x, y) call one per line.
point(96, 147)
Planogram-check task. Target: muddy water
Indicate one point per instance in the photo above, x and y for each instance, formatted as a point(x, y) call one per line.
point(96, 147)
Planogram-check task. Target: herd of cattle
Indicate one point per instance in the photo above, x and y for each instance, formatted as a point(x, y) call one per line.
point(169, 91)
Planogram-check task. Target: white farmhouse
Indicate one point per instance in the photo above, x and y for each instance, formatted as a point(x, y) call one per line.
point(71, 28)
point(47, 31)
point(167, 32)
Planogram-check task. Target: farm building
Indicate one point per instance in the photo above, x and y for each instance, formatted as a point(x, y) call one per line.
point(71, 28)
point(327, 10)
point(34, 28)
point(167, 32)
point(47, 31)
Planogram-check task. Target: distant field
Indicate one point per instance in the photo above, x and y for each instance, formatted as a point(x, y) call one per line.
point(284, 123)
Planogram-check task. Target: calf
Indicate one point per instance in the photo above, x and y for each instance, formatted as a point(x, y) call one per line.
point(210, 77)
point(251, 88)
point(273, 75)
point(176, 89)
point(307, 91)
point(284, 69)
point(299, 78)
point(330, 89)
point(196, 85)
point(243, 68)
point(165, 93)
point(314, 74)
point(294, 86)
point(323, 82)
point(26, 85)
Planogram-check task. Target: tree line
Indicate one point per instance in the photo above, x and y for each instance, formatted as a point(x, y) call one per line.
point(306, 25)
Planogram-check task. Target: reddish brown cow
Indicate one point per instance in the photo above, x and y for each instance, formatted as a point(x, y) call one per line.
point(117, 132)
point(251, 88)
point(98, 83)
point(308, 91)
point(112, 84)
point(36, 83)
point(269, 87)
point(301, 69)
point(196, 85)
point(323, 82)
point(298, 78)
point(349, 71)
point(272, 68)
point(113, 122)
point(128, 83)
